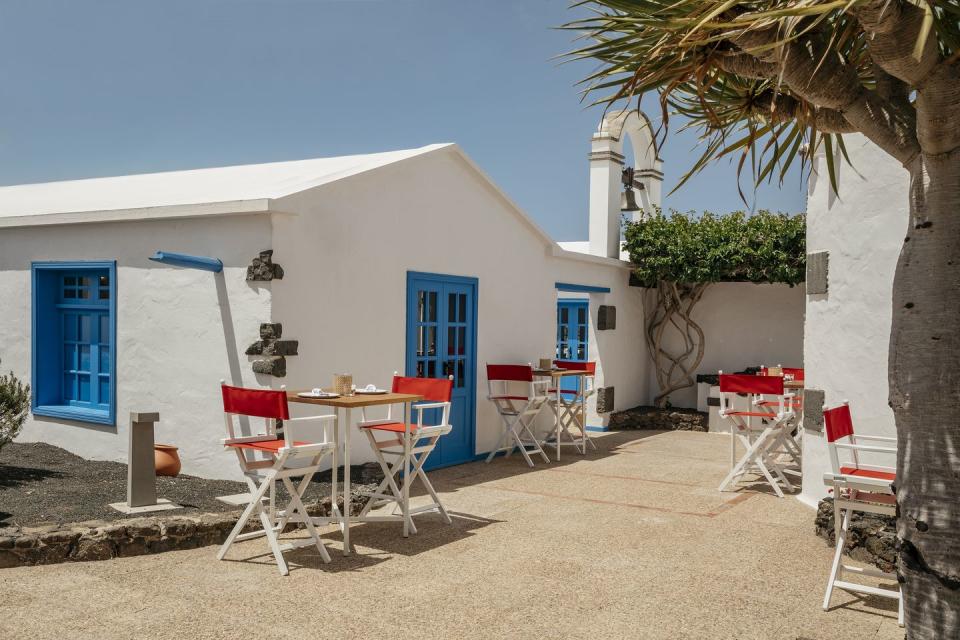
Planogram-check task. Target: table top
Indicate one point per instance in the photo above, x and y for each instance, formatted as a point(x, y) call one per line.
point(559, 373)
point(793, 384)
point(358, 400)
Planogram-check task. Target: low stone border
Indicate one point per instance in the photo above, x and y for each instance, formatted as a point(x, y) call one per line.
point(871, 538)
point(653, 418)
point(101, 540)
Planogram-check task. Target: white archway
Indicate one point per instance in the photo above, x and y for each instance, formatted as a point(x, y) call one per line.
point(606, 165)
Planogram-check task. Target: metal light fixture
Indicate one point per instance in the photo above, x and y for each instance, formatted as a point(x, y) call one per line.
point(628, 199)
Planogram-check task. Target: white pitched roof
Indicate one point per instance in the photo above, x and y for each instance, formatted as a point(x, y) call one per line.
point(218, 191)
point(233, 185)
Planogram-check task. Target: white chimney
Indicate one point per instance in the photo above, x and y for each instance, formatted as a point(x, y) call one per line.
point(606, 167)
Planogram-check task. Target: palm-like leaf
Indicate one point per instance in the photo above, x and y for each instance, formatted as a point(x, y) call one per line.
point(681, 50)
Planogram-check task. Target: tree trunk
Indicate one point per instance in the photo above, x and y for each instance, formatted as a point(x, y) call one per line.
point(671, 307)
point(924, 380)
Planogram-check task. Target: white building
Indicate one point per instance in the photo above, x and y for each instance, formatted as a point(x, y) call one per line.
point(402, 261)
point(858, 235)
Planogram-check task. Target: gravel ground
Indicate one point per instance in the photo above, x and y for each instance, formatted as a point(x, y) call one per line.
point(42, 484)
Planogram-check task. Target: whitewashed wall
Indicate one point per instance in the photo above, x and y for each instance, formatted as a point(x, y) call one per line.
point(347, 254)
point(179, 331)
point(744, 325)
point(848, 329)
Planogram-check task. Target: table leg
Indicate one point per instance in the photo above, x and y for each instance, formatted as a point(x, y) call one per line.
point(406, 471)
point(335, 474)
point(559, 381)
point(347, 428)
point(583, 414)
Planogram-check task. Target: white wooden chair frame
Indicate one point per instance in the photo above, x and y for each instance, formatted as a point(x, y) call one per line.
point(761, 443)
point(411, 453)
point(859, 493)
point(261, 476)
point(518, 416)
point(565, 414)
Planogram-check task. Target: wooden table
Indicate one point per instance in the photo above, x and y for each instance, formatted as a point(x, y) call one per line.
point(347, 404)
point(556, 376)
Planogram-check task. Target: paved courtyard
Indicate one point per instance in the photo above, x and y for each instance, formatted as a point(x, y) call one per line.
point(633, 541)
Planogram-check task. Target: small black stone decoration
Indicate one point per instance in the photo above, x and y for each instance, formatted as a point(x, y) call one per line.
point(276, 350)
point(605, 400)
point(606, 317)
point(262, 268)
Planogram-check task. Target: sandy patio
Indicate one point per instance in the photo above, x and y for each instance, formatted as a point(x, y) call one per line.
point(634, 541)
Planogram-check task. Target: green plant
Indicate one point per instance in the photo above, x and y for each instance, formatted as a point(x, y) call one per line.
point(14, 407)
point(774, 81)
point(678, 256)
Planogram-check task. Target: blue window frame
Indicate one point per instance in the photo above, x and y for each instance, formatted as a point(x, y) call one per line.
point(573, 331)
point(74, 337)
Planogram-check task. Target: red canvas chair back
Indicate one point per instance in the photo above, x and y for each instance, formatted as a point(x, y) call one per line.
point(432, 389)
point(261, 403)
point(510, 372)
point(839, 423)
point(572, 365)
point(756, 385)
point(793, 371)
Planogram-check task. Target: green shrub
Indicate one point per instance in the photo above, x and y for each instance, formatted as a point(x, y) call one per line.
point(14, 407)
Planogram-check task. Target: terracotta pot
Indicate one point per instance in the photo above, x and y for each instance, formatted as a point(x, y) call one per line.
point(166, 460)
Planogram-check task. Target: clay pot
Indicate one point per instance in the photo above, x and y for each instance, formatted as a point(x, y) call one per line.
point(166, 460)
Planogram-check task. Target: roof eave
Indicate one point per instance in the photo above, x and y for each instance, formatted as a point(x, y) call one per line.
point(166, 212)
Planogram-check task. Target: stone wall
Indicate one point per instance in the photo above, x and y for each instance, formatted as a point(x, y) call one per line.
point(652, 418)
point(871, 538)
point(100, 540)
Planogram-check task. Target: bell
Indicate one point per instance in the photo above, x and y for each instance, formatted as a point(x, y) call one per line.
point(628, 200)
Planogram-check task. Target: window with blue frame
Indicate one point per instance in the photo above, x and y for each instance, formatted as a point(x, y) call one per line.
point(74, 336)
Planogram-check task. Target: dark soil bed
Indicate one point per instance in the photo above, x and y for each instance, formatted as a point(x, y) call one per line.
point(653, 418)
point(41, 484)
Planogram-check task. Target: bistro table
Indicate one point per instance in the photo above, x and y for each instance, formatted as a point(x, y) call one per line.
point(556, 376)
point(347, 404)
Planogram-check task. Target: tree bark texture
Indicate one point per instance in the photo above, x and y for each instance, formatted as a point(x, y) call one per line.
point(671, 314)
point(924, 379)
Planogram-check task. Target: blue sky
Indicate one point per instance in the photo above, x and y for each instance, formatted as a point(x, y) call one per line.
point(111, 87)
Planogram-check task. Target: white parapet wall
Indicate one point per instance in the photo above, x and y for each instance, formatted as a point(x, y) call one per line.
point(744, 325)
point(847, 329)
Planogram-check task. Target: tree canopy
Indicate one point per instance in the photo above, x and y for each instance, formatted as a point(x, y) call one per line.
point(683, 248)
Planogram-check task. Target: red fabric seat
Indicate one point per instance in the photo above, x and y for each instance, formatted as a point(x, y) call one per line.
point(868, 473)
point(755, 414)
point(509, 398)
point(872, 496)
point(569, 392)
point(395, 427)
point(271, 446)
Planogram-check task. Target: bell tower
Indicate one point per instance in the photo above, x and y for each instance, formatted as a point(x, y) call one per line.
point(607, 177)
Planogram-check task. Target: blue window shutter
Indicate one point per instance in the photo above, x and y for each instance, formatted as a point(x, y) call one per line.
point(74, 332)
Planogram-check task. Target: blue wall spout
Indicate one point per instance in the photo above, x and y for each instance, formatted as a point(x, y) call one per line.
point(190, 262)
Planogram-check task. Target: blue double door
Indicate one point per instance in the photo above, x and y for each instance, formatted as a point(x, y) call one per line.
point(573, 331)
point(441, 341)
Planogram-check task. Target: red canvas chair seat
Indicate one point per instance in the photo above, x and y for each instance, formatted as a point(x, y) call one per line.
point(266, 445)
point(754, 414)
point(282, 458)
point(868, 473)
point(518, 399)
point(410, 446)
point(857, 487)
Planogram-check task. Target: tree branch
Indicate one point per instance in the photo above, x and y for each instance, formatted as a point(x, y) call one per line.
point(894, 28)
point(746, 66)
point(819, 75)
point(784, 107)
